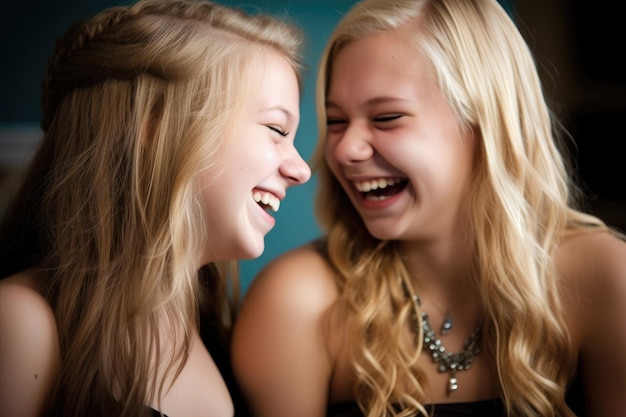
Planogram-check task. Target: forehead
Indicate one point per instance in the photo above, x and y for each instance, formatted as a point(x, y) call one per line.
point(273, 84)
point(383, 64)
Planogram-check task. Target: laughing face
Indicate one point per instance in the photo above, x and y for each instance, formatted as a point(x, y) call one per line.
point(261, 162)
point(393, 141)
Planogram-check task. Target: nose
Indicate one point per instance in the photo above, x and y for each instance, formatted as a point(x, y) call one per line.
point(294, 168)
point(354, 145)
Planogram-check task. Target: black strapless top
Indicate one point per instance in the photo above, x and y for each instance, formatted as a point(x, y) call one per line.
point(488, 408)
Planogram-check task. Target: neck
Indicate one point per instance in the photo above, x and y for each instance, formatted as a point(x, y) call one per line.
point(446, 277)
point(443, 276)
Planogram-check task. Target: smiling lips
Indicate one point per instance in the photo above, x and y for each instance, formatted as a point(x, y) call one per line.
point(266, 200)
point(380, 188)
point(375, 189)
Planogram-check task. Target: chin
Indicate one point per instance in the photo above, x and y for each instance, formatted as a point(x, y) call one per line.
point(381, 232)
point(252, 252)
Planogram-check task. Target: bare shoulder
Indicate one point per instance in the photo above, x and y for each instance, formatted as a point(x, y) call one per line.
point(29, 349)
point(593, 267)
point(299, 276)
point(279, 348)
point(291, 291)
point(596, 262)
point(21, 288)
point(21, 304)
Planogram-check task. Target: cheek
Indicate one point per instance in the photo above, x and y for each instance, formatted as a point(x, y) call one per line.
point(251, 163)
point(329, 154)
point(259, 154)
point(452, 167)
point(462, 153)
point(268, 156)
point(330, 146)
point(223, 187)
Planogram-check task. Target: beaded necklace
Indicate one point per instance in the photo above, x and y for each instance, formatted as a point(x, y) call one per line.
point(448, 361)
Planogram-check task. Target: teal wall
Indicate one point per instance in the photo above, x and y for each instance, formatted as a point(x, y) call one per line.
point(295, 223)
point(28, 30)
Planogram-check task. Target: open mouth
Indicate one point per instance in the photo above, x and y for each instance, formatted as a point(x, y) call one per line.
point(380, 188)
point(267, 201)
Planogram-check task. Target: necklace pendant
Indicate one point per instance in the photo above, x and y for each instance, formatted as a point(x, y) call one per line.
point(453, 385)
point(447, 323)
point(447, 361)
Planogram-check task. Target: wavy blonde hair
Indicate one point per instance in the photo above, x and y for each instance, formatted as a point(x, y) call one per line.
point(137, 101)
point(522, 202)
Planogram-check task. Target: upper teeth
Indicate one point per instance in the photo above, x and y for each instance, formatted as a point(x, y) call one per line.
point(267, 199)
point(365, 186)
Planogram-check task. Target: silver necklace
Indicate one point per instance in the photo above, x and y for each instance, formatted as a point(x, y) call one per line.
point(446, 326)
point(448, 361)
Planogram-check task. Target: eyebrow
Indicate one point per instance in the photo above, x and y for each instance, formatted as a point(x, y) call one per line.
point(371, 102)
point(281, 109)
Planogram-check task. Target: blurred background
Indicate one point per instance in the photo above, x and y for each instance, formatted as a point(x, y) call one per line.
point(578, 45)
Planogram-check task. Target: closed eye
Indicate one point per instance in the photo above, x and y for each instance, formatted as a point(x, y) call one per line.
point(330, 122)
point(387, 118)
point(278, 130)
point(336, 126)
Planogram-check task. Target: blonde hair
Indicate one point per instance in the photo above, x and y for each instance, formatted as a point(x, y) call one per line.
point(522, 203)
point(137, 101)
